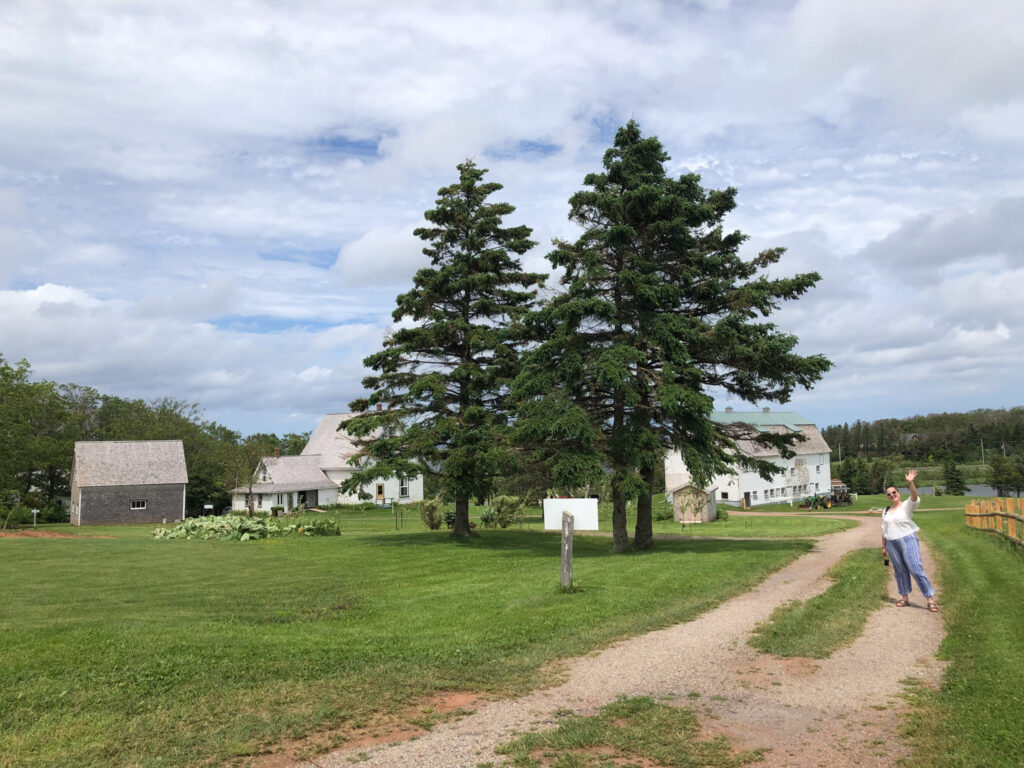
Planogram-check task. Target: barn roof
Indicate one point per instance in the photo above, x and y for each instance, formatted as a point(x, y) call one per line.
point(333, 447)
point(129, 462)
point(776, 422)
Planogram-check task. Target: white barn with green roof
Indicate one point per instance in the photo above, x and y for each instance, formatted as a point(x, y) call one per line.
point(804, 474)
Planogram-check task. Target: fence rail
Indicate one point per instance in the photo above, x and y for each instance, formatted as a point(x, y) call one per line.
point(998, 516)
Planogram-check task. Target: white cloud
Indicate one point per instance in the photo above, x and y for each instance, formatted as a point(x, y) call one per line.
point(218, 205)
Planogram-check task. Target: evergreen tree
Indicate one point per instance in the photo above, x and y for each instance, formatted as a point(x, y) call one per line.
point(1005, 474)
point(444, 376)
point(953, 478)
point(658, 309)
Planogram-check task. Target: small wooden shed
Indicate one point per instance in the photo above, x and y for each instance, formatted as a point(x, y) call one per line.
point(691, 504)
point(128, 481)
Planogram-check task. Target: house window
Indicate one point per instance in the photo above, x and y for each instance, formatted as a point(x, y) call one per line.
point(259, 500)
point(753, 495)
point(818, 469)
point(725, 495)
point(137, 504)
point(403, 486)
point(815, 486)
point(279, 499)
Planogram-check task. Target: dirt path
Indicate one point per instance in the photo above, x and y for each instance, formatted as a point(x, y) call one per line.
point(841, 711)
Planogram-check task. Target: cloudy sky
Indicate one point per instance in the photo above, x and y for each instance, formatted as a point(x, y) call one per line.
point(215, 201)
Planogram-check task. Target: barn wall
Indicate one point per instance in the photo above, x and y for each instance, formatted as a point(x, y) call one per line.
point(111, 505)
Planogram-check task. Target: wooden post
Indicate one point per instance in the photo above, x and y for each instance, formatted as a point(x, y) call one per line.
point(567, 527)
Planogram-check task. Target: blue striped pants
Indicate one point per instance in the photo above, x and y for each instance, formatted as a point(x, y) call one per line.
point(905, 555)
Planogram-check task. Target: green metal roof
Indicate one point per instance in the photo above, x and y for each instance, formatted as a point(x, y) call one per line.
point(760, 419)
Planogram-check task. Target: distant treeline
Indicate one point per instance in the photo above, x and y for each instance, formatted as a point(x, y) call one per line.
point(41, 420)
point(931, 439)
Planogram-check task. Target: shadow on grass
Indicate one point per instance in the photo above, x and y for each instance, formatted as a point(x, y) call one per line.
point(548, 544)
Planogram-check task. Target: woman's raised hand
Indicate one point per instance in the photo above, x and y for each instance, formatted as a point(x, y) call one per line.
point(911, 475)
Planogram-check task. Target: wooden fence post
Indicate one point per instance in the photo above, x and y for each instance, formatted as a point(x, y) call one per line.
point(567, 528)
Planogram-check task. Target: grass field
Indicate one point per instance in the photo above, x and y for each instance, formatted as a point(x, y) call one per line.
point(975, 718)
point(129, 651)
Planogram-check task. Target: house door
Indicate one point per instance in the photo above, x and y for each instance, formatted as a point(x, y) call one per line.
point(746, 499)
point(380, 491)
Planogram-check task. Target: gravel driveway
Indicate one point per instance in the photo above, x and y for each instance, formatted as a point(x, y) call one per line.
point(841, 711)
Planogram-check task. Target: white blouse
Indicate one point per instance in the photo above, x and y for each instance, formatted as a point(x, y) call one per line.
point(898, 522)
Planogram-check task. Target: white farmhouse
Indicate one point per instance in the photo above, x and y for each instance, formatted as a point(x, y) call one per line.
point(804, 474)
point(314, 477)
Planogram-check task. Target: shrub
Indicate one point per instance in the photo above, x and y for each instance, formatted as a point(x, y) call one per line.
point(238, 528)
point(489, 518)
point(723, 513)
point(16, 514)
point(506, 510)
point(449, 518)
point(430, 513)
point(277, 511)
point(320, 526)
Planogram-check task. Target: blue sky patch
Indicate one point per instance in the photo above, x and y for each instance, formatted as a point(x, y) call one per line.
point(524, 150)
point(342, 145)
point(269, 324)
point(321, 257)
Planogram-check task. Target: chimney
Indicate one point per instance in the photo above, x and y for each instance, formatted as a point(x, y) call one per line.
point(766, 409)
point(277, 452)
point(380, 406)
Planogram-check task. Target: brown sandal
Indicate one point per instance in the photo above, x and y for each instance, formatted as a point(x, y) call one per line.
point(901, 603)
point(933, 606)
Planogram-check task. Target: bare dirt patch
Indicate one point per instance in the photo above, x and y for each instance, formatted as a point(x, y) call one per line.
point(409, 723)
point(45, 535)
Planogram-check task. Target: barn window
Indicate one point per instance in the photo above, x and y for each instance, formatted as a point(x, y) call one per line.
point(725, 495)
point(137, 504)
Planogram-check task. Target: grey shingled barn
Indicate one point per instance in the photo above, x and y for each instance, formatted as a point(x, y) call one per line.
point(130, 481)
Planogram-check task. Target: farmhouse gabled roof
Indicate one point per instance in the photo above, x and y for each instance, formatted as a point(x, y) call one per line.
point(333, 447)
point(290, 473)
point(129, 462)
point(779, 423)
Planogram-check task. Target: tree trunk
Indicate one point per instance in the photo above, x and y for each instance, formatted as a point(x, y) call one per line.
point(620, 533)
point(643, 537)
point(461, 527)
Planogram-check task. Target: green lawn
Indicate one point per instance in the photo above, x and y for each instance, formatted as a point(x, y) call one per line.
point(976, 717)
point(129, 651)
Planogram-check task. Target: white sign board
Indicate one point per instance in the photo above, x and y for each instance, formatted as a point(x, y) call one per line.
point(583, 511)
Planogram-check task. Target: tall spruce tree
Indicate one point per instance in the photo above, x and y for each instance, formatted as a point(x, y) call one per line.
point(444, 377)
point(658, 311)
